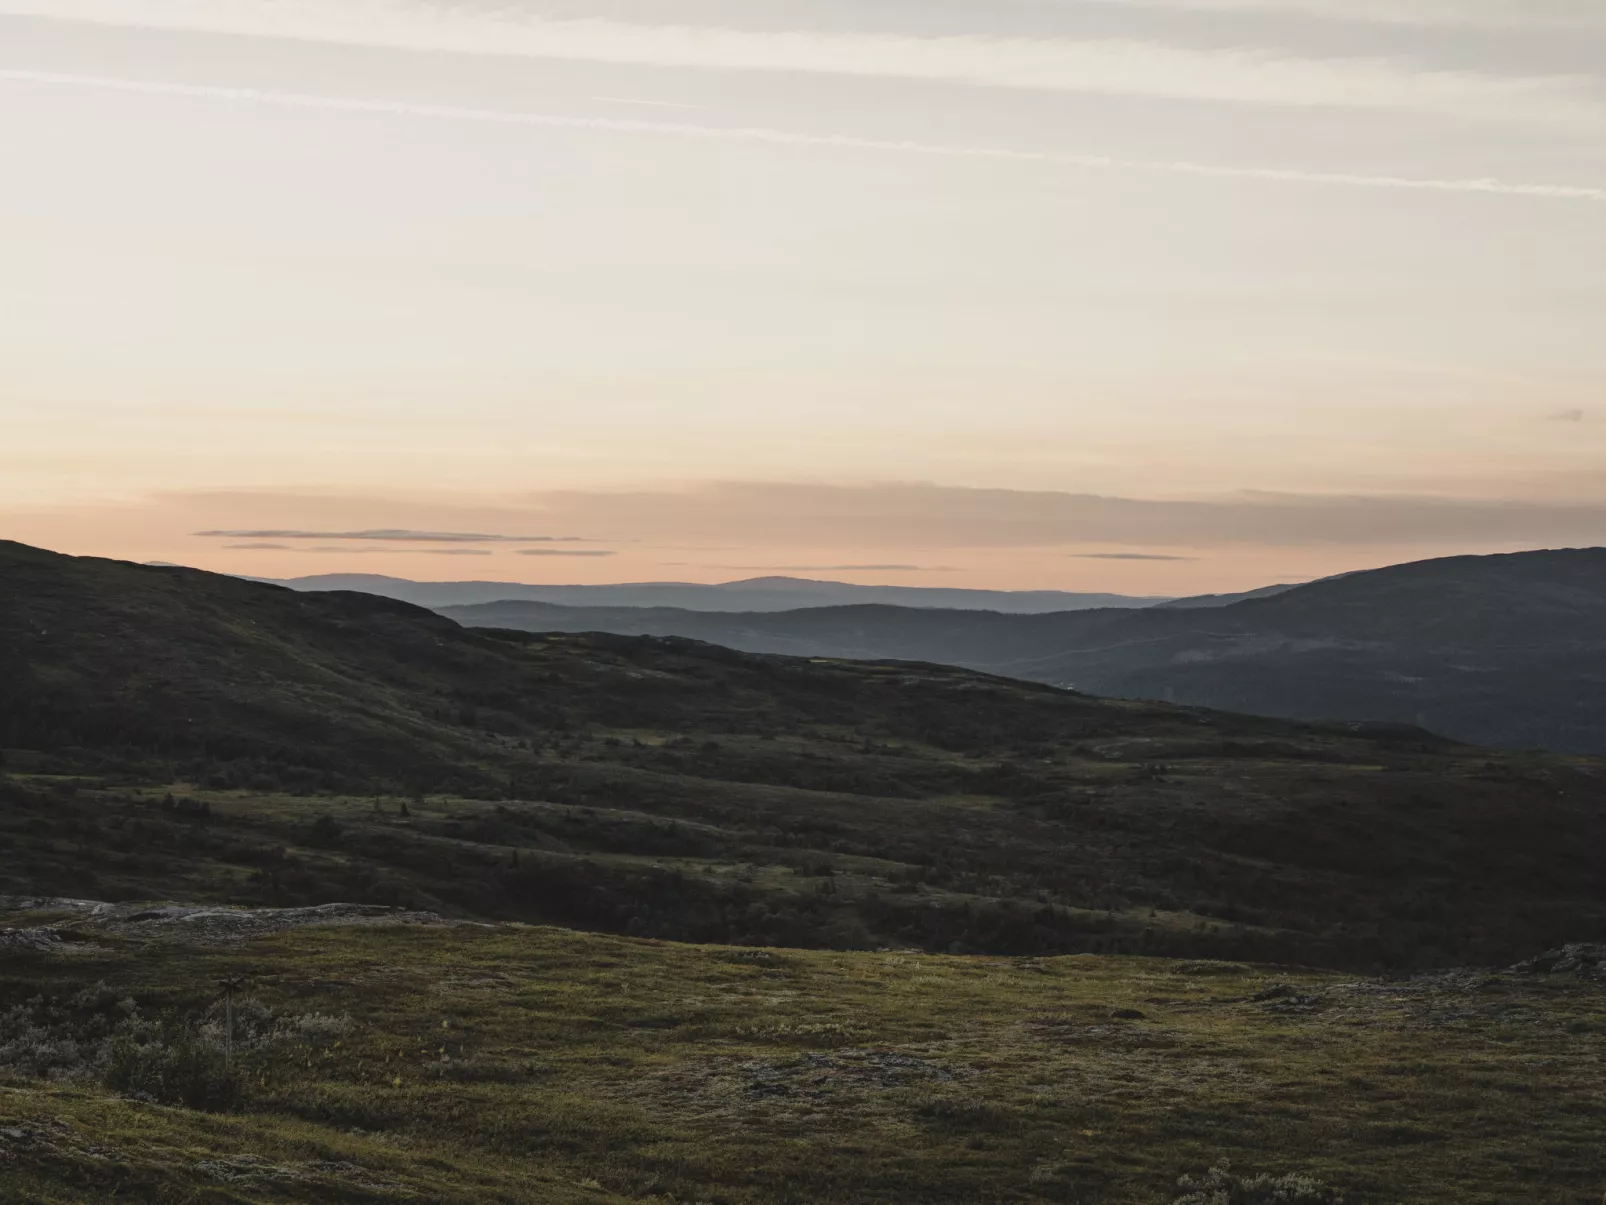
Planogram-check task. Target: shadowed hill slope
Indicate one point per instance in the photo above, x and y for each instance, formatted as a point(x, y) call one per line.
point(121, 661)
point(174, 733)
point(1501, 650)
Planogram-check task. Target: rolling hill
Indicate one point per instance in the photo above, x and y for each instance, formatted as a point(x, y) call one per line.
point(1500, 650)
point(171, 733)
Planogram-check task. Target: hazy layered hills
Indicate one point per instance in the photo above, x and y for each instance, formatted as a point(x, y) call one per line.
point(1500, 650)
point(174, 734)
point(751, 595)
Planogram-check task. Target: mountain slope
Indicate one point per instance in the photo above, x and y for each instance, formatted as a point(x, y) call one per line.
point(1205, 601)
point(174, 733)
point(175, 663)
point(753, 594)
point(1504, 650)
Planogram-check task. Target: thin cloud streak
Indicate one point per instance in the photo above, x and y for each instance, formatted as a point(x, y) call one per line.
point(1126, 556)
point(759, 134)
point(395, 551)
point(835, 568)
point(1475, 14)
point(395, 535)
point(914, 516)
point(1099, 66)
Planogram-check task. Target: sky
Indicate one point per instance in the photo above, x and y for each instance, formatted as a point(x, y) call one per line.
point(1155, 296)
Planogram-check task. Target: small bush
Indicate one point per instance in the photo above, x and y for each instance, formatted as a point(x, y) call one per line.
point(324, 832)
point(189, 1071)
point(1220, 1186)
point(33, 1050)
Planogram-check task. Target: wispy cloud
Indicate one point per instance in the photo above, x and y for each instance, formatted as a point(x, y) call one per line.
point(836, 568)
point(394, 536)
point(1574, 415)
point(807, 524)
point(649, 104)
point(1478, 14)
point(259, 547)
point(1127, 556)
point(348, 551)
point(573, 552)
point(1103, 66)
point(787, 138)
point(915, 516)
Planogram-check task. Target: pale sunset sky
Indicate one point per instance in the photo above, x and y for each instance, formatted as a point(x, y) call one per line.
point(1156, 296)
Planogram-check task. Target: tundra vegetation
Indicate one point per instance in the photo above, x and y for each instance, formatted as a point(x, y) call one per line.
point(404, 1059)
point(524, 917)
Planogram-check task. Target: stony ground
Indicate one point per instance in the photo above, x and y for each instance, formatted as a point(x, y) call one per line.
point(395, 1057)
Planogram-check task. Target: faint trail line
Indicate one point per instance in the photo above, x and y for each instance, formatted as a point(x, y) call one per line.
point(775, 137)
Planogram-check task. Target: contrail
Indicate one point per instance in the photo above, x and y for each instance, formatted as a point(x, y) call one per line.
point(1548, 15)
point(761, 134)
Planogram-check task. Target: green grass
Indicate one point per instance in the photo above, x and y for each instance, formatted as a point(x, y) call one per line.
point(524, 1064)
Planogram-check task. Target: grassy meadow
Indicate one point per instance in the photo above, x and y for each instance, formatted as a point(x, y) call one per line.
point(511, 1063)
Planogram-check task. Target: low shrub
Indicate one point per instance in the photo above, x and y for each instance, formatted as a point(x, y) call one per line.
point(96, 1034)
point(189, 1070)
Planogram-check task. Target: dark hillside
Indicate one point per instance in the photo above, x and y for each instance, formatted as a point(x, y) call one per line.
point(129, 665)
point(1500, 650)
point(1523, 600)
point(1503, 650)
point(173, 733)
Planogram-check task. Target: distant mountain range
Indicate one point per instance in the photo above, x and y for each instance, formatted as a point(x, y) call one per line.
point(759, 594)
point(1500, 650)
